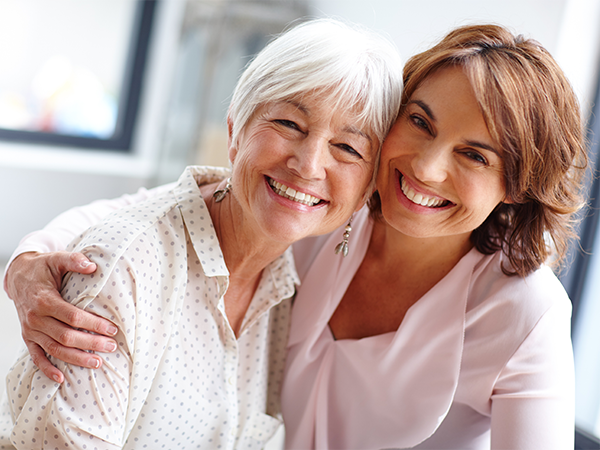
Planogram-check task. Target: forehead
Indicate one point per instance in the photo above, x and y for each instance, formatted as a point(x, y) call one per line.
point(447, 90)
point(326, 107)
point(448, 98)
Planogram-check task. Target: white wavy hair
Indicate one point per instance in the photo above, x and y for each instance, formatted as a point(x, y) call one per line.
point(357, 69)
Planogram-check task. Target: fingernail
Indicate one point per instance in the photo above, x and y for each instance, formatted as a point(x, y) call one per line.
point(112, 330)
point(94, 363)
point(56, 378)
point(85, 264)
point(110, 347)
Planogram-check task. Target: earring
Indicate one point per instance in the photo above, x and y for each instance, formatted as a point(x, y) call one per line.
point(221, 193)
point(343, 246)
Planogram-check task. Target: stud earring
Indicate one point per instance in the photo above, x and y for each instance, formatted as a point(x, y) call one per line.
point(220, 194)
point(343, 246)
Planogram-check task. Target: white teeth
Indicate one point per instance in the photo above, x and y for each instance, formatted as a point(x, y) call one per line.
point(292, 194)
point(419, 198)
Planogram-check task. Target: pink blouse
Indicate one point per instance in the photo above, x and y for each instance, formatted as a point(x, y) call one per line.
point(481, 361)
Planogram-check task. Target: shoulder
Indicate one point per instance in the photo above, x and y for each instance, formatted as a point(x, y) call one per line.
point(531, 295)
point(118, 231)
point(131, 240)
point(517, 333)
point(504, 311)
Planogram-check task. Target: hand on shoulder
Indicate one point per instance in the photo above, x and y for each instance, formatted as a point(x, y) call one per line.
point(48, 323)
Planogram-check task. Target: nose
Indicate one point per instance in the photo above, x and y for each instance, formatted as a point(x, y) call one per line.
point(431, 164)
point(310, 158)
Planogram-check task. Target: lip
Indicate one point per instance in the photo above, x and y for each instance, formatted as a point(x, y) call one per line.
point(294, 203)
point(412, 206)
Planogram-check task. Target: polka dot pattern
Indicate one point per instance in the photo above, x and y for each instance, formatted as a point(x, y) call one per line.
point(180, 378)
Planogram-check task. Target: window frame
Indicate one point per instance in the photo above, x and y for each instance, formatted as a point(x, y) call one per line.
point(580, 254)
point(133, 77)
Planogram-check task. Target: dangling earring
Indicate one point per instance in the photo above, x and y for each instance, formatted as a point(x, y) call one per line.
point(343, 246)
point(221, 193)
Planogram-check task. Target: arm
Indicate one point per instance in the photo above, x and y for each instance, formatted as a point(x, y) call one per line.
point(90, 409)
point(533, 400)
point(33, 277)
point(65, 227)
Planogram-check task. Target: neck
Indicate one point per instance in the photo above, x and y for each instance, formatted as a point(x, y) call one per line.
point(417, 255)
point(246, 251)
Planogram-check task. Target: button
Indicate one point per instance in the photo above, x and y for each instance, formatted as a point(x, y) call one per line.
point(231, 380)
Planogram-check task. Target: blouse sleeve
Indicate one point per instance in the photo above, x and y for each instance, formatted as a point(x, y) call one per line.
point(65, 227)
point(90, 408)
point(533, 399)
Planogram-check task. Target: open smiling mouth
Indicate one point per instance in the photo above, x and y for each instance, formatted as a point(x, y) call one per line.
point(420, 199)
point(292, 194)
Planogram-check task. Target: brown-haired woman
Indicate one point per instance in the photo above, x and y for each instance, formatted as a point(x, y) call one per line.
point(443, 329)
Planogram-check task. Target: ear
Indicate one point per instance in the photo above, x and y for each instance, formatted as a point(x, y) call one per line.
point(231, 146)
point(508, 200)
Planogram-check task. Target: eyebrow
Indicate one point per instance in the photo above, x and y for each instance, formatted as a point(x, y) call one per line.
point(299, 106)
point(358, 131)
point(429, 112)
point(349, 129)
point(483, 146)
point(424, 107)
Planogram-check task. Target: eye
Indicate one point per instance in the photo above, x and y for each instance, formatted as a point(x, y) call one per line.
point(347, 148)
point(476, 156)
point(287, 124)
point(419, 122)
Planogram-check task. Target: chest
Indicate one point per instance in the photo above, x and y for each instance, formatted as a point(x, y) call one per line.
point(376, 301)
point(210, 383)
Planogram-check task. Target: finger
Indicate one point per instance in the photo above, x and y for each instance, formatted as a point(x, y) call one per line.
point(78, 318)
point(77, 357)
point(60, 263)
point(69, 355)
point(47, 331)
point(71, 338)
point(80, 263)
point(38, 356)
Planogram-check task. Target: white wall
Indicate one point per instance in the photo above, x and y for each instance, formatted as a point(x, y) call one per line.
point(569, 29)
point(415, 25)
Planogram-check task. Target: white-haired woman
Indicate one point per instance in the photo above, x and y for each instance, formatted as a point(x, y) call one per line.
point(197, 281)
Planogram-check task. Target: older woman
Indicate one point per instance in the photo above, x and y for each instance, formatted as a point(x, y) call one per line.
point(197, 280)
point(443, 328)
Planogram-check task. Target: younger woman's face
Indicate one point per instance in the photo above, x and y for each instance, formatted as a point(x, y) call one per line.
point(441, 173)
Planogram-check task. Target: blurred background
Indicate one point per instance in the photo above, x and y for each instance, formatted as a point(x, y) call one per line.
point(101, 97)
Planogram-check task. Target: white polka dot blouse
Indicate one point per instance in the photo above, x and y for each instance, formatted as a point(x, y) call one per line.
point(180, 378)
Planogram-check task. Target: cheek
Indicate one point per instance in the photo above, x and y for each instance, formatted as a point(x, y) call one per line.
point(349, 185)
point(486, 198)
point(390, 149)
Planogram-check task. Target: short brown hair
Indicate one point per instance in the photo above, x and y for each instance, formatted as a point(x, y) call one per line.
point(530, 109)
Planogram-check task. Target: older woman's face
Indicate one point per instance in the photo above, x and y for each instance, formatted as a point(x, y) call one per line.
point(300, 169)
point(441, 173)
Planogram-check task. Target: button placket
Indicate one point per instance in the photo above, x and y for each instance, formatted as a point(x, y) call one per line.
point(231, 369)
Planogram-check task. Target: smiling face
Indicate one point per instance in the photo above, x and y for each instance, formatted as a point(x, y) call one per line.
point(301, 170)
point(441, 173)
